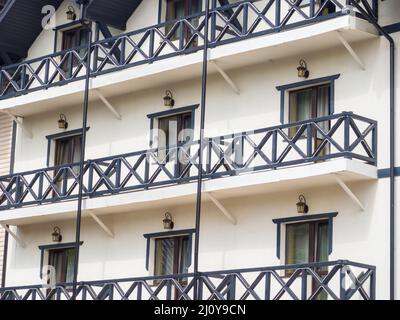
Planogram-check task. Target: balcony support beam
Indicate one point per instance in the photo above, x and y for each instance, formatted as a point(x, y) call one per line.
point(348, 47)
point(15, 236)
point(220, 206)
point(227, 78)
point(108, 104)
point(19, 121)
point(101, 224)
point(348, 191)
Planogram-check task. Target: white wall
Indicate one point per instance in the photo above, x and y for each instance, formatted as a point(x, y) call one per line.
point(358, 236)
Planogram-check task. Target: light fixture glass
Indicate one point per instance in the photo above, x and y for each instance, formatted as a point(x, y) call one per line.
point(168, 223)
point(62, 122)
point(302, 70)
point(56, 235)
point(168, 99)
point(302, 206)
point(71, 15)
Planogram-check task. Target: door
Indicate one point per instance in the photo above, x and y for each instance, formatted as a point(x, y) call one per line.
point(310, 103)
point(67, 152)
point(63, 262)
point(308, 243)
point(74, 38)
point(171, 257)
point(174, 132)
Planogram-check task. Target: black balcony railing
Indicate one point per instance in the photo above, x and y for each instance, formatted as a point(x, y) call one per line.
point(337, 280)
point(344, 135)
point(228, 23)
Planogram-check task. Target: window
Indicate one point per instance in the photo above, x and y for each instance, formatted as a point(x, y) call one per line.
point(63, 261)
point(172, 255)
point(177, 9)
point(307, 99)
point(68, 151)
point(74, 38)
point(175, 130)
point(307, 242)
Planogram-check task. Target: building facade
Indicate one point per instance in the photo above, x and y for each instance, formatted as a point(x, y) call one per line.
point(298, 157)
point(6, 134)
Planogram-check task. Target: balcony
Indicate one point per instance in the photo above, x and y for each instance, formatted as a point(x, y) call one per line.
point(271, 30)
point(336, 280)
point(304, 150)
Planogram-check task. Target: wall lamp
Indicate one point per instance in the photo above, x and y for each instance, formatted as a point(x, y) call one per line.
point(168, 99)
point(62, 122)
point(56, 235)
point(302, 206)
point(71, 14)
point(168, 223)
point(302, 70)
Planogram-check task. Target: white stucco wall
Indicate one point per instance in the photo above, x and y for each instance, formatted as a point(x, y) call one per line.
point(358, 236)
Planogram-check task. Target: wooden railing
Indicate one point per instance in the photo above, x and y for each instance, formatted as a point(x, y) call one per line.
point(228, 23)
point(337, 280)
point(343, 135)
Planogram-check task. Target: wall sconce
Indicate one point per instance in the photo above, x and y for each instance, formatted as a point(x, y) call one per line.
point(168, 99)
point(62, 123)
point(168, 223)
point(302, 70)
point(302, 206)
point(56, 235)
point(71, 15)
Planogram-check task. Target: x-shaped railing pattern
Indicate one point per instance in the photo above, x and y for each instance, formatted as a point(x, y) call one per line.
point(337, 280)
point(228, 23)
point(344, 135)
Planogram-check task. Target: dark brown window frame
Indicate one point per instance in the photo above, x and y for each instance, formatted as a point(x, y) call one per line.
point(178, 253)
point(313, 241)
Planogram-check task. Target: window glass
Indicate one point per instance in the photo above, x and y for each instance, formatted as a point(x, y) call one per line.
point(298, 236)
point(307, 243)
point(177, 9)
point(171, 255)
point(68, 151)
point(63, 262)
point(310, 103)
point(175, 131)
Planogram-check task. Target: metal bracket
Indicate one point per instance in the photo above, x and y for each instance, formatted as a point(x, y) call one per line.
point(346, 189)
point(351, 50)
point(101, 224)
point(219, 205)
point(108, 104)
point(12, 234)
point(227, 78)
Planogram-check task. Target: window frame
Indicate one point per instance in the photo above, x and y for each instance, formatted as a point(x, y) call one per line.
point(178, 254)
point(150, 237)
point(313, 243)
point(162, 12)
point(44, 250)
point(164, 114)
point(285, 90)
point(51, 139)
point(322, 216)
